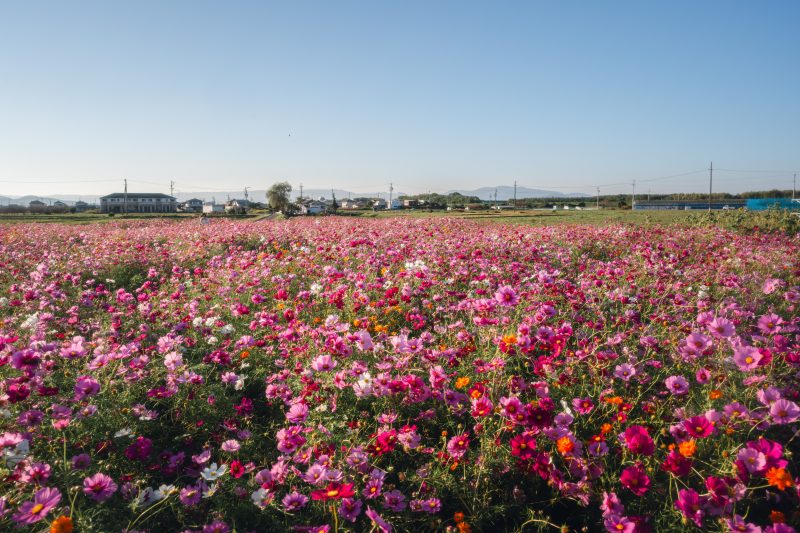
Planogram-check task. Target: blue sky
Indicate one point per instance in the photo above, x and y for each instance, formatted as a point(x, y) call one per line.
point(427, 95)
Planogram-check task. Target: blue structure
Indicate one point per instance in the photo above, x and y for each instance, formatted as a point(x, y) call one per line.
point(688, 204)
point(761, 204)
point(751, 204)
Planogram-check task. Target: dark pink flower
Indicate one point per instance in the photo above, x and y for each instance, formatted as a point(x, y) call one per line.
point(638, 440)
point(635, 479)
point(99, 487)
point(698, 427)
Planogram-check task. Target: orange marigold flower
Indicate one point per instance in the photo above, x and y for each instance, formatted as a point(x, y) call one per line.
point(614, 400)
point(715, 394)
point(777, 517)
point(605, 428)
point(462, 382)
point(244, 355)
point(565, 445)
point(62, 524)
point(458, 517)
point(464, 527)
point(779, 478)
point(687, 448)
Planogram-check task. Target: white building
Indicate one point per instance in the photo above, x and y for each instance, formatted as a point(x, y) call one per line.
point(211, 207)
point(136, 202)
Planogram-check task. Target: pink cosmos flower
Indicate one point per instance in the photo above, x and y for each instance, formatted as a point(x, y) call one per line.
point(350, 508)
point(753, 460)
point(721, 327)
point(619, 524)
point(737, 523)
point(377, 522)
point(323, 363)
point(624, 371)
point(583, 406)
point(677, 385)
point(44, 501)
point(770, 324)
point(784, 411)
point(506, 296)
point(231, 446)
point(746, 357)
point(298, 412)
point(457, 446)
point(294, 501)
point(99, 487)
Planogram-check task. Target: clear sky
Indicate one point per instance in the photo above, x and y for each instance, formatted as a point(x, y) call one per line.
point(433, 96)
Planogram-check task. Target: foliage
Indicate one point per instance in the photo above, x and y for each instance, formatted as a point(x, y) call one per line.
point(740, 220)
point(278, 196)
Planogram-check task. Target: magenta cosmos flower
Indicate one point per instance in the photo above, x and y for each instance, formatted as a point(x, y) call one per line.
point(691, 505)
point(634, 479)
point(698, 427)
point(584, 406)
point(99, 487)
point(43, 502)
point(638, 440)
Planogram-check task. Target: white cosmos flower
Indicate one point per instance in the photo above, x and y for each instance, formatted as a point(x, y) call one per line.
point(213, 472)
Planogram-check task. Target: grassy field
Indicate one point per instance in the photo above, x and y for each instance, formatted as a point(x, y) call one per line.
point(732, 219)
point(549, 217)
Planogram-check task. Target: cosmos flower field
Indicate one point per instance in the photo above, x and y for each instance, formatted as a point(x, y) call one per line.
point(342, 375)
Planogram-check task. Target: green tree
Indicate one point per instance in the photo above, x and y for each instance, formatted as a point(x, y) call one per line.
point(278, 196)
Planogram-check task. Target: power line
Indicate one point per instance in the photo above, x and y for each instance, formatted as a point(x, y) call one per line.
point(757, 171)
point(33, 181)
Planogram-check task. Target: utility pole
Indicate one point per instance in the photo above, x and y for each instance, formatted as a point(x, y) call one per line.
point(391, 189)
point(171, 187)
point(515, 194)
point(633, 194)
point(598, 198)
point(126, 196)
point(794, 184)
point(495, 198)
point(301, 191)
point(710, 179)
point(246, 196)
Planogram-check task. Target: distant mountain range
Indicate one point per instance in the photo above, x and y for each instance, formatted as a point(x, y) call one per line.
point(504, 193)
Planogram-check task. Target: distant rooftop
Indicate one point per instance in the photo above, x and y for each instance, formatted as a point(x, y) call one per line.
point(131, 195)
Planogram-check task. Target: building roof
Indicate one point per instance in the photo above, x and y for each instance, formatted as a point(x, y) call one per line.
point(132, 195)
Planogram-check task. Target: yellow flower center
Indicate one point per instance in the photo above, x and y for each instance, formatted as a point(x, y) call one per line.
point(332, 493)
point(37, 508)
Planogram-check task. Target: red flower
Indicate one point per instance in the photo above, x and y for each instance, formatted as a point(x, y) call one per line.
point(334, 491)
point(237, 469)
